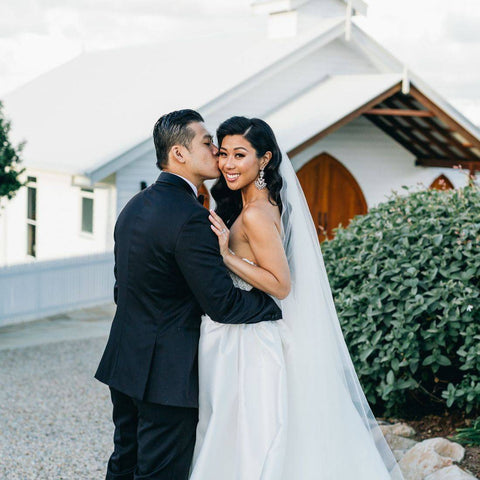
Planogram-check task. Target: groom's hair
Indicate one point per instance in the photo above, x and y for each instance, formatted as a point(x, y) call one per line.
point(172, 129)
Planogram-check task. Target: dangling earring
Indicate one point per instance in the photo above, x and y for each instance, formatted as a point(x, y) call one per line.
point(260, 182)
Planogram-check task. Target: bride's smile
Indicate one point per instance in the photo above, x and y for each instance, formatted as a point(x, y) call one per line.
point(238, 162)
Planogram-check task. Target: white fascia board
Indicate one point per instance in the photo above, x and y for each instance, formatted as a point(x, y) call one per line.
point(379, 55)
point(103, 170)
point(275, 6)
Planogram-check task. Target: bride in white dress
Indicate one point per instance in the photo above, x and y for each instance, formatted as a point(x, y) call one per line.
point(278, 400)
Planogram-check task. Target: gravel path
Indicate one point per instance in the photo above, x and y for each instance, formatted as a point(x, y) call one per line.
point(55, 418)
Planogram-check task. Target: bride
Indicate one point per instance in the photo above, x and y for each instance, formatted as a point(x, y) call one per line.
point(278, 400)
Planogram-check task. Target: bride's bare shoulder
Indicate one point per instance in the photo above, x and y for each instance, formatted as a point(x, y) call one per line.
point(260, 213)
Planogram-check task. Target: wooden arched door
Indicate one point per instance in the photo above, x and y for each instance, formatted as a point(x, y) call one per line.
point(332, 193)
point(204, 191)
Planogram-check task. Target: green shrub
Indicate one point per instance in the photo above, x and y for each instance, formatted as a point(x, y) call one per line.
point(406, 283)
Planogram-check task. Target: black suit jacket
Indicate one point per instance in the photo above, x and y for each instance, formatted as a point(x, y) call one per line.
point(168, 272)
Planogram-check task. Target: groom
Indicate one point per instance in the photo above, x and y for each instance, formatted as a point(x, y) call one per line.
point(168, 272)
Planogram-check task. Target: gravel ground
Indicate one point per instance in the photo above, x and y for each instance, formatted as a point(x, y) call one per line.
point(55, 418)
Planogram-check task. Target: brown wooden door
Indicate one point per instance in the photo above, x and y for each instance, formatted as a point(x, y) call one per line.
point(204, 191)
point(332, 193)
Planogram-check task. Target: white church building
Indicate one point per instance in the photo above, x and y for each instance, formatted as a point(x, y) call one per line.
point(355, 122)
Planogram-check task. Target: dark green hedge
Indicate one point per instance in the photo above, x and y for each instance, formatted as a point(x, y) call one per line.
point(406, 283)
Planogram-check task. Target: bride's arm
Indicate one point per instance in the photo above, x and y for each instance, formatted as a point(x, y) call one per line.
point(271, 274)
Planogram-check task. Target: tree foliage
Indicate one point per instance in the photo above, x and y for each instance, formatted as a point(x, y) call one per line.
point(406, 283)
point(9, 160)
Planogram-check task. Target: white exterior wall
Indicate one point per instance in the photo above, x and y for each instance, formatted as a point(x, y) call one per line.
point(129, 177)
point(378, 163)
point(58, 232)
point(13, 229)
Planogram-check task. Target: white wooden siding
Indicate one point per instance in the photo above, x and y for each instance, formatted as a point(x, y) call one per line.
point(36, 290)
point(58, 229)
point(129, 177)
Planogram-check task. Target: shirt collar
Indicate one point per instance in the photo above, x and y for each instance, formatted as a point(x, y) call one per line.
point(194, 188)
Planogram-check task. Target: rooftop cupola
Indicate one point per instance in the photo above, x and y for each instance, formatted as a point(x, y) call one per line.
point(283, 15)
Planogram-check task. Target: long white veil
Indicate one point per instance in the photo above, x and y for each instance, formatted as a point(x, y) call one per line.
point(328, 415)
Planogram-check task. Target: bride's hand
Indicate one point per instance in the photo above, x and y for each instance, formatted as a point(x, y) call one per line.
point(222, 232)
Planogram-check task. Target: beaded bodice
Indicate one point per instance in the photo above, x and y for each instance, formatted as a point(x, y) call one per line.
point(238, 281)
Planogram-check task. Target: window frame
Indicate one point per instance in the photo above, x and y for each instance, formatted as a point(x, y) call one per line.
point(32, 186)
point(88, 193)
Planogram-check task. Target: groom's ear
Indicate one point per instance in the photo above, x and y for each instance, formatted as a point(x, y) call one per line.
point(177, 153)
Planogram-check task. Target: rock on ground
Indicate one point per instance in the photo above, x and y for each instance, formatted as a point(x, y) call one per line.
point(450, 473)
point(428, 456)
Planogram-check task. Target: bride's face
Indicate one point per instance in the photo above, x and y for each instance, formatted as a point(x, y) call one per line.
point(238, 161)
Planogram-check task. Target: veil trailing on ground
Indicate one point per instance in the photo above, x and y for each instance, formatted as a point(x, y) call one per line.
point(328, 415)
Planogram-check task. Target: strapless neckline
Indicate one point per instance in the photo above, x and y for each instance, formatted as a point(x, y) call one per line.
point(243, 258)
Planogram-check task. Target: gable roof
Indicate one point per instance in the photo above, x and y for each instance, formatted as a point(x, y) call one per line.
point(128, 89)
point(76, 123)
point(338, 96)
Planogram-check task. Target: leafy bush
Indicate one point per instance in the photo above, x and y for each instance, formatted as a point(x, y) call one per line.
point(406, 283)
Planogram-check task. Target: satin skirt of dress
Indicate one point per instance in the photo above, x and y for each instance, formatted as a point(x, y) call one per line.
point(242, 429)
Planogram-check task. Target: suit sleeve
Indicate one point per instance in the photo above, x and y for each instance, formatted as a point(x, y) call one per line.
point(198, 257)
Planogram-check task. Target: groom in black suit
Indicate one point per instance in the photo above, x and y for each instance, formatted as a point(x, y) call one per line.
point(168, 272)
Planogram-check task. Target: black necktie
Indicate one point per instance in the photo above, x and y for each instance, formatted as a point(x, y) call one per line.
point(201, 198)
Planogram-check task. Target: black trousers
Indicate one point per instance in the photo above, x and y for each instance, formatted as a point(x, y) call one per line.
point(151, 441)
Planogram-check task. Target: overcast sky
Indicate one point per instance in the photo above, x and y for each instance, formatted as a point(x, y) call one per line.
point(438, 39)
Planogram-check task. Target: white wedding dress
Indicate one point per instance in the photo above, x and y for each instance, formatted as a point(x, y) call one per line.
point(241, 433)
point(281, 400)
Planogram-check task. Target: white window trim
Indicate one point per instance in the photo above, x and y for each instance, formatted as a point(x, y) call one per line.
point(86, 193)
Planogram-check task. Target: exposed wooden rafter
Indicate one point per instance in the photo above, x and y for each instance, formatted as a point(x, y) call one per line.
point(447, 162)
point(426, 133)
point(419, 125)
point(446, 132)
point(427, 103)
point(399, 112)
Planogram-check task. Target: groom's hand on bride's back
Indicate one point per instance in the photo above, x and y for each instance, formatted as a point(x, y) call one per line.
point(198, 257)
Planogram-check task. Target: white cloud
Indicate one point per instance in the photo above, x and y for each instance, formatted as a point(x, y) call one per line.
point(438, 39)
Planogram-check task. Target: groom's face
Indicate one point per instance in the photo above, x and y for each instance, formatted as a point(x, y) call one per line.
point(202, 154)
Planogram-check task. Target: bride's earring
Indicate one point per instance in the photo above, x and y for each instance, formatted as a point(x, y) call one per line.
point(260, 182)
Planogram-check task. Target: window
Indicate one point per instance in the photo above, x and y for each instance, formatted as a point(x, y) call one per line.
point(87, 210)
point(32, 216)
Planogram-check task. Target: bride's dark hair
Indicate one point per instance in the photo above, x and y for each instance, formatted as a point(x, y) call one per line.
point(262, 139)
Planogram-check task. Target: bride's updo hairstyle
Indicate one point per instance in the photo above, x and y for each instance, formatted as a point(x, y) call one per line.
point(262, 139)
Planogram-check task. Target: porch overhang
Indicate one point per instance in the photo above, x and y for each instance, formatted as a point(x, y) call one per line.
point(420, 125)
